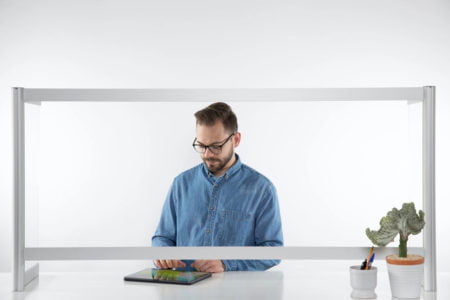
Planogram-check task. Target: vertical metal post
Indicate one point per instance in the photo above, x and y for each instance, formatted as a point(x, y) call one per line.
point(428, 178)
point(19, 189)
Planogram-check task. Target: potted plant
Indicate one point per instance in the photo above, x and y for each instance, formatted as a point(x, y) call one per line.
point(405, 270)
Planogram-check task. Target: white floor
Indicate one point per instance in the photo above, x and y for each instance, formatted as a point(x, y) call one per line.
point(287, 281)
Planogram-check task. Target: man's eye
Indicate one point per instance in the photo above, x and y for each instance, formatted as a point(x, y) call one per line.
point(214, 147)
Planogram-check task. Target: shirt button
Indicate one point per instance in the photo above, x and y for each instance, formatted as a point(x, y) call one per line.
point(211, 208)
point(208, 231)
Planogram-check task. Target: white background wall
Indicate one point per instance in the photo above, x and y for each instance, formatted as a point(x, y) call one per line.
point(148, 44)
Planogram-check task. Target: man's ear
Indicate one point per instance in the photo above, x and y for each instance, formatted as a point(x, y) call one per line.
point(236, 139)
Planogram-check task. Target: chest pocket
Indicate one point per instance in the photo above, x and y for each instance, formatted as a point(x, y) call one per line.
point(235, 228)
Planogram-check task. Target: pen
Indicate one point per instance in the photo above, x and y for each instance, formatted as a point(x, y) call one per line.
point(371, 260)
point(369, 257)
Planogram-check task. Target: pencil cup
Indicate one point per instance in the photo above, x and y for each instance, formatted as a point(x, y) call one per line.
point(363, 282)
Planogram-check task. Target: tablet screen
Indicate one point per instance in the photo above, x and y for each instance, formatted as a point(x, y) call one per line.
point(167, 276)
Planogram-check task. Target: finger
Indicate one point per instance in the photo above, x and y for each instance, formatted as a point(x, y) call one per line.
point(198, 264)
point(159, 264)
point(202, 265)
point(212, 267)
point(169, 263)
point(176, 264)
point(215, 268)
point(156, 263)
point(209, 269)
point(179, 264)
point(163, 264)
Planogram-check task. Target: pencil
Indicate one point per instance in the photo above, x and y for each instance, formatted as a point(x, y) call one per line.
point(369, 257)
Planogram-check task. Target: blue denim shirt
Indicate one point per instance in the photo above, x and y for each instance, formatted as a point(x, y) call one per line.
point(239, 208)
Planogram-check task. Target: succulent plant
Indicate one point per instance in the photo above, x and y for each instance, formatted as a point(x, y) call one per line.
point(404, 222)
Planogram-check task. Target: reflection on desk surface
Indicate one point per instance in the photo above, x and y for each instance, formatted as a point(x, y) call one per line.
point(230, 285)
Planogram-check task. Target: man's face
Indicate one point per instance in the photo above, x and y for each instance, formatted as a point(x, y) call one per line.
point(216, 135)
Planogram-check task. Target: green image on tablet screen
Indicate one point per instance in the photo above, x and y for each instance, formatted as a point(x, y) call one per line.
point(172, 275)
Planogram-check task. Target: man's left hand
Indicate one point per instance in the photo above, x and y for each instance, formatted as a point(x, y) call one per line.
point(211, 266)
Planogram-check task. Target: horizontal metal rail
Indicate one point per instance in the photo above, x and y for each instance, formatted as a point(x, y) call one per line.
point(138, 253)
point(205, 95)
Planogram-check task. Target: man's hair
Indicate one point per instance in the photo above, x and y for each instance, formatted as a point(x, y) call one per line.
point(218, 111)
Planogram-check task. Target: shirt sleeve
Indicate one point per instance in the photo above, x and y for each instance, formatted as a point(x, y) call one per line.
point(166, 234)
point(268, 233)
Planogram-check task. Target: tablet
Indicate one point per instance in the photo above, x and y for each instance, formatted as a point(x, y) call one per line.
point(167, 276)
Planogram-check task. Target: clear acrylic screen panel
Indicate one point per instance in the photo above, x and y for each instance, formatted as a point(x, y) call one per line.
point(102, 170)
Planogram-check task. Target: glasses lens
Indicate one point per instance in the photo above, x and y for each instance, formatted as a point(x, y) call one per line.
point(215, 149)
point(199, 148)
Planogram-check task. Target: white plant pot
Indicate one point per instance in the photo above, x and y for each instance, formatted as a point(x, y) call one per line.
point(405, 280)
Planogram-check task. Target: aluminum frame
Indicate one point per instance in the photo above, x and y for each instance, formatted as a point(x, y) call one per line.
point(22, 96)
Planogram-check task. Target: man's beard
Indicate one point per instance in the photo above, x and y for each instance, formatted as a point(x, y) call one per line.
point(221, 163)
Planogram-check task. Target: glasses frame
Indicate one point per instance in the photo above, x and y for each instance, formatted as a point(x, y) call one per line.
point(208, 147)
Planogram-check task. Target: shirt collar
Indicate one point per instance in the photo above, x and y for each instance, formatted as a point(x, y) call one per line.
point(234, 168)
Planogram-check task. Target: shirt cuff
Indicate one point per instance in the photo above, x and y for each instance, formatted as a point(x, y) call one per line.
point(230, 265)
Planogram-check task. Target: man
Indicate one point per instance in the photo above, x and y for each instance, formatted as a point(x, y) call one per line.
point(221, 202)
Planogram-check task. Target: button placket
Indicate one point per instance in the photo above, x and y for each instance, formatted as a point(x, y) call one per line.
point(212, 213)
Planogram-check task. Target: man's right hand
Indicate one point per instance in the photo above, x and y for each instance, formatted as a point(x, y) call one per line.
point(169, 264)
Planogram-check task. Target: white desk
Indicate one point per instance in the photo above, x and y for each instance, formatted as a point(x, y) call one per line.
point(287, 281)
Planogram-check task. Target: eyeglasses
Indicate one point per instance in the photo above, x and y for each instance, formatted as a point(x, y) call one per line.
point(215, 148)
